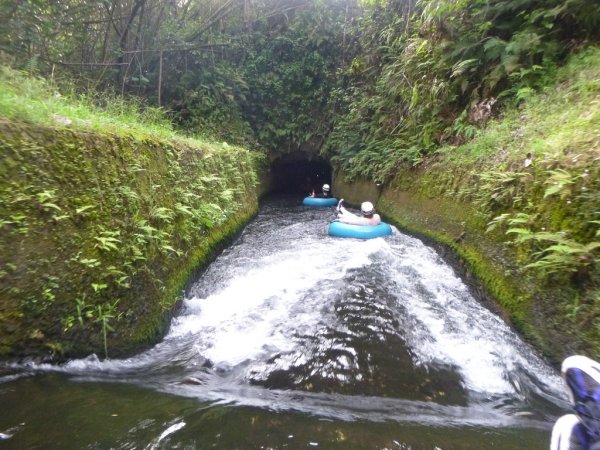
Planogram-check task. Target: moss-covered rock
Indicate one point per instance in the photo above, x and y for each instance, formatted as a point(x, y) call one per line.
point(99, 234)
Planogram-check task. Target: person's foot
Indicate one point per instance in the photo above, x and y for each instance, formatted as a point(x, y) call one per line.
point(582, 376)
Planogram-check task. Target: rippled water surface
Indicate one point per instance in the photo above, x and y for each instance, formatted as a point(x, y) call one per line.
point(294, 339)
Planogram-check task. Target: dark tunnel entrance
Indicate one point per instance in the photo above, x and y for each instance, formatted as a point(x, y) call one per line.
point(299, 173)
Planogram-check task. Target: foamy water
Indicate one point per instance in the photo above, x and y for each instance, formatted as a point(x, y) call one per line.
point(273, 304)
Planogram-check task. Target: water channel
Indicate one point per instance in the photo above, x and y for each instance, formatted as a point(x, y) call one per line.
point(293, 339)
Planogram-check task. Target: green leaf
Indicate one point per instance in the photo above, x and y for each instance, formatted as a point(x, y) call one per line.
point(84, 208)
point(52, 206)
point(523, 231)
point(554, 189)
point(97, 287)
point(184, 209)
point(463, 66)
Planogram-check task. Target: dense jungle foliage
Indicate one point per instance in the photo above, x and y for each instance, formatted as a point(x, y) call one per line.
point(370, 84)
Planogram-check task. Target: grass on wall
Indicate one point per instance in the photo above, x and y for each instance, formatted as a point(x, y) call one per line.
point(38, 101)
point(532, 179)
point(551, 125)
point(103, 215)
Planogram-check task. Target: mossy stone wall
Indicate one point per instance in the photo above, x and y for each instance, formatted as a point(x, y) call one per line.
point(354, 193)
point(99, 234)
point(440, 204)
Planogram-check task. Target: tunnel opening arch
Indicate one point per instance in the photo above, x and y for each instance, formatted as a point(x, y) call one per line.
point(299, 173)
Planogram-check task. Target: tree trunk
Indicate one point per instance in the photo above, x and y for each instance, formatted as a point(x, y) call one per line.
point(160, 66)
point(125, 34)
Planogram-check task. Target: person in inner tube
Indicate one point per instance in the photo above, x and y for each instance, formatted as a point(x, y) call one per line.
point(325, 192)
point(369, 217)
point(579, 430)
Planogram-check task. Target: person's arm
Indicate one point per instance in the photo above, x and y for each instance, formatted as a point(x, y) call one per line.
point(375, 220)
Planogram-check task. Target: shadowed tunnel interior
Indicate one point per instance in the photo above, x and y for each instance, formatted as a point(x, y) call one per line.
point(299, 173)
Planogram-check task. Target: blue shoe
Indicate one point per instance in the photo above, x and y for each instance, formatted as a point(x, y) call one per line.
point(569, 434)
point(582, 376)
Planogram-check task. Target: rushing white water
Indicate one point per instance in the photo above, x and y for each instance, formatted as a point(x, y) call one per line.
point(290, 318)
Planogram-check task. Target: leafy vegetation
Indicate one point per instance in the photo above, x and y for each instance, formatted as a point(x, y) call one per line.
point(32, 99)
point(93, 223)
point(236, 71)
point(432, 73)
point(530, 185)
point(519, 205)
point(371, 84)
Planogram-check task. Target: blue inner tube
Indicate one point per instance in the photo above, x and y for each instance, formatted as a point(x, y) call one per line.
point(315, 201)
point(341, 229)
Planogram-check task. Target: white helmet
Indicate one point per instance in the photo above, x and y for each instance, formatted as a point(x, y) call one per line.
point(326, 187)
point(367, 208)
